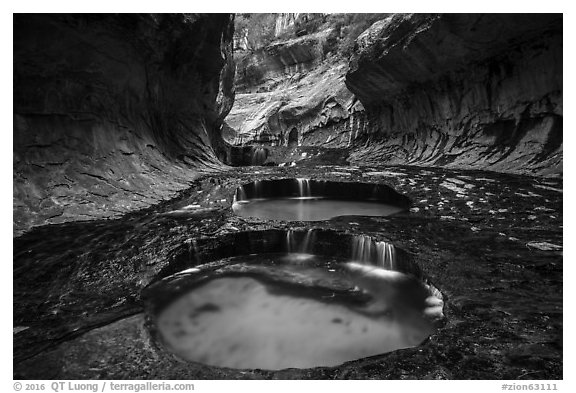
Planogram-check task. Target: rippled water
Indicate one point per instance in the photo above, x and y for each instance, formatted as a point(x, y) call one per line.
point(253, 322)
point(310, 209)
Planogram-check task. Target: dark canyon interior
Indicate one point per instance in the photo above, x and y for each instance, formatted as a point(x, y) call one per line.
point(388, 182)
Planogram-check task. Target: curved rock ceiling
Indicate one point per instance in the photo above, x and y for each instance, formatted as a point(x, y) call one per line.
point(113, 113)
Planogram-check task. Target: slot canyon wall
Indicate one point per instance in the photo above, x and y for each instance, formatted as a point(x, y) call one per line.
point(113, 113)
point(295, 84)
point(472, 91)
point(461, 90)
point(121, 145)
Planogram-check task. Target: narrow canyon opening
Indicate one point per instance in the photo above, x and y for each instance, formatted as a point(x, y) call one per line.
point(288, 196)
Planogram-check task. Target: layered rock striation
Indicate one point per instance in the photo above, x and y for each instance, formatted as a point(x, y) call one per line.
point(278, 60)
point(461, 90)
point(115, 112)
point(293, 90)
point(314, 108)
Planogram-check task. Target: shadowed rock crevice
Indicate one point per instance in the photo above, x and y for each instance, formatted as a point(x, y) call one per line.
point(115, 112)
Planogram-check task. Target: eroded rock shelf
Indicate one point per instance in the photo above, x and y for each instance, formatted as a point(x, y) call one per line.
point(492, 242)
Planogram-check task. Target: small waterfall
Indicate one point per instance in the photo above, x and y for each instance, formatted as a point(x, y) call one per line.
point(257, 189)
point(362, 248)
point(193, 252)
point(306, 245)
point(290, 241)
point(386, 255)
point(240, 195)
point(381, 254)
point(258, 156)
point(303, 247)
point(350, 126)
point(304, 187)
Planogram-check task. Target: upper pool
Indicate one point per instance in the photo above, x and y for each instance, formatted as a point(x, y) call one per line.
point(315, 200)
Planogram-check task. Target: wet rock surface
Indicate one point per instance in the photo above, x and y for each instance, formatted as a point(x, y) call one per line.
point(492, 243)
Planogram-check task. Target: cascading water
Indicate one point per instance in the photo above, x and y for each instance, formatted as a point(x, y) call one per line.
point(240, 195)
point(386, 255)
point(362, 248)
point(269, 315)
point(303, 247)
point(304, 187)
point(258, 189)
point(290, 242)
point(365, 250)
point(193, 251)
point(303, 199)
point(259, 156)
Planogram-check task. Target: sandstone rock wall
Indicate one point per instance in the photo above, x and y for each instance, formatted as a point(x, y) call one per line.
point(284, 21)
point(294, 86)
point(115, 112)
point(300, 22)
point(316, 105)
point(265, 68)
point(337, 132)
point(473, 91)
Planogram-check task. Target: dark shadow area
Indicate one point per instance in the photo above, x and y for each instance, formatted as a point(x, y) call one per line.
point(293, 137)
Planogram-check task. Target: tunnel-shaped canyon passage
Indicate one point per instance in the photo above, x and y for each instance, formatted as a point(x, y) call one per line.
point(178, 178)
